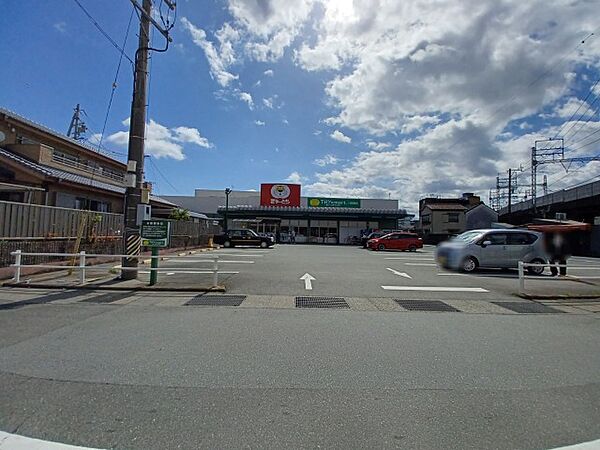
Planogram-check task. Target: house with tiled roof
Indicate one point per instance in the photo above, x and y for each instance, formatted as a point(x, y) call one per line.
point(41, 166)
point(440, 217)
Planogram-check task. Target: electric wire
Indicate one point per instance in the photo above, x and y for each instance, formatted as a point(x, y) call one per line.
point(114, 84)
point(104, 33)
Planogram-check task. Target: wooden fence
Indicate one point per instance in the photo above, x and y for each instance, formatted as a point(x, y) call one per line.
point(22, 221)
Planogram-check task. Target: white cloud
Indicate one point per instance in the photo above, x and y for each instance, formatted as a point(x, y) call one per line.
point(337, 135)
point(326, 160)
point(285, 121)
point(271, 25)
point(295, 177)
point(268, 102)
point(61, 27)
point(451, 77)
point(259, 123)
point(257, 84)
point(246, 97)
point(268, 73)
point(161, 141)
point(377, 146)
point(573, 106)
point(191, 135)
point(218, 59)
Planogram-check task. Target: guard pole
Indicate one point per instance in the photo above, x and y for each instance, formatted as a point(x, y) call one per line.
point(154, 265)
point(216, 271)
point(521, 278)
point(82, 267)
point(18, 266)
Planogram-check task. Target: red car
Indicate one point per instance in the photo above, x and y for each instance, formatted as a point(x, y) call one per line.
point(396, 241)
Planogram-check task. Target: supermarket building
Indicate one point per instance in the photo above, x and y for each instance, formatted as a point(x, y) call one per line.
point(280, 208)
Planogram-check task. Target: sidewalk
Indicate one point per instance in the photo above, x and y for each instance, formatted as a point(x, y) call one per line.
point(104, 276)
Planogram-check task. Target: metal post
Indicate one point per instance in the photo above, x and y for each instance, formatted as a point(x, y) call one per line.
point(18, 266)
point(215, 271)
point(154, 265)
point(82, 267)
point(227, 192)
point(521, 278)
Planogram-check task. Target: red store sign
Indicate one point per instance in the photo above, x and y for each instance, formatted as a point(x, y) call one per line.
point(281, 194)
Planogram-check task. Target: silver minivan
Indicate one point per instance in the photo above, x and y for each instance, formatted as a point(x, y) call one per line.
point(492, 248)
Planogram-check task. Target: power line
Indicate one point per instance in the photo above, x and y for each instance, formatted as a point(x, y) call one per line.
point(591, 91)
point(104, 33)
point(591, 116)
point(585, 145)
point(585, 137)
point(114, 85)
point(155, 166)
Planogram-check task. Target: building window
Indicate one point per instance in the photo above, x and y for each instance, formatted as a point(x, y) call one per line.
point(426, 219)
point(453, 217)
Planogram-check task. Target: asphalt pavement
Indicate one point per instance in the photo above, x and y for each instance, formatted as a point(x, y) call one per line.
point(150, 370)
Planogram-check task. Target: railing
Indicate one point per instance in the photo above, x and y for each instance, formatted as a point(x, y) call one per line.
point(82, 267)
point(87, 168)
point(523, 265)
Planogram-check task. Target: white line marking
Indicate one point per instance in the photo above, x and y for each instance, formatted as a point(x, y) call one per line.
point(308, 279)
point(400, 274)
point(433, 289)
point(170, 273)
point(452, 275)
point(421, 264)
point(15, 441)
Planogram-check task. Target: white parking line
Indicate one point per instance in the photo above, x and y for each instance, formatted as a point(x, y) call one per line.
point(15, 441)
point(400, 274)
point(433, 289)
point(420, 264)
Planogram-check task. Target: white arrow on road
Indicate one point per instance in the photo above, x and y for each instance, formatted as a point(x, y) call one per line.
point(400, 274)
point(308, 279)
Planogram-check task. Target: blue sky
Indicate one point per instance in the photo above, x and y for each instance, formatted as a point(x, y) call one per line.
point(348, 98)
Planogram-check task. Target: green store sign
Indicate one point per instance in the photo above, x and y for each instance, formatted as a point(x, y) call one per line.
point(317, 202)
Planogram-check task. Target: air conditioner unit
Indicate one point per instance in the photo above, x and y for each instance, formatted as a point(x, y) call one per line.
point(560, 216)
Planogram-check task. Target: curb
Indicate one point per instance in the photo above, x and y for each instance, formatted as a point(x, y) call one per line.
point(559, 297)
point(116, 288)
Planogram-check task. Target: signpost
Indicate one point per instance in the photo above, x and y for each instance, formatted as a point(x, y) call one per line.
point(155, 234)
point(318, 202)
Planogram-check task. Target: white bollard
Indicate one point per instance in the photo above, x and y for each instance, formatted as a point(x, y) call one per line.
point(216, 271)
point(521, 278)
point(82, 267)
point(18, 266)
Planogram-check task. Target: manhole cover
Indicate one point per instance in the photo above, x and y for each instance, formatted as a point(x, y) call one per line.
point(321, 302)
point(426, 305)
point(216, 300)
point(108, 298)
point(527, 308)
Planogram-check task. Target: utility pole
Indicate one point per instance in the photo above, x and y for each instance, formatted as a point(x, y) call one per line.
point(77, 127)
point(135, 152)
point(510, 191)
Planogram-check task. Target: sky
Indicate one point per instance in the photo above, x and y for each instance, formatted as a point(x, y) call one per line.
point(350, 98)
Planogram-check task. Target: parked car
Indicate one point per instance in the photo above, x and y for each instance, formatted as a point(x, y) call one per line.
point(374, 235)
point(492, 248)
point(396, 241)
point(232, 238)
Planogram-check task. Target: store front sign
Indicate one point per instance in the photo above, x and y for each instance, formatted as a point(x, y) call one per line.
point(317, 202)
point(280, 194)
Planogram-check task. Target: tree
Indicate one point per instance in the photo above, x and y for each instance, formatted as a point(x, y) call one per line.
point(180, 214)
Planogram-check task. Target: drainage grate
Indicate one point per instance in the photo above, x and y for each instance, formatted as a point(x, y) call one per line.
point(321, 302)
point(62, 295)
point(216, 300)
point(108, 298)
point(426, 305)
point(527, 308)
